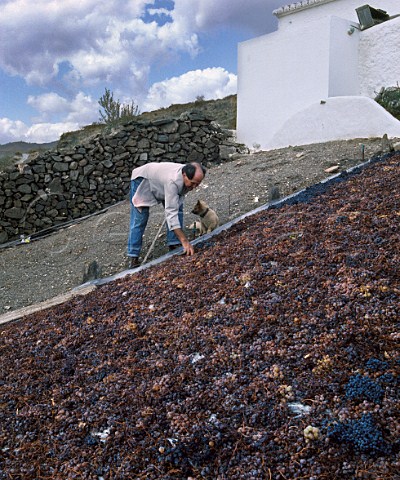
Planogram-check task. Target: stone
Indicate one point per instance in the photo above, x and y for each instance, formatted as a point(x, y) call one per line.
point(162, 138)
point(169, 127)
point(39, 168)
point(158, 151)
point(52, 213)
point(24, 188)
point(122, 156)
point(195, 156)
point(60, 167)
point(176, 147)
point(88, 169)
point(226, 151)
point(131, 143)
point(42, 195)
point(15, 213)
point(55, 185)
point(387, 145)
point(143, 143)
point(92, 272)
point(3, 236)
point(119, 150)
point(74, 175)
point(274, 193)
point(183, 128)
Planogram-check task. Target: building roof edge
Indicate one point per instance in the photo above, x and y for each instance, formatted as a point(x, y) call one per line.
point(298, 6)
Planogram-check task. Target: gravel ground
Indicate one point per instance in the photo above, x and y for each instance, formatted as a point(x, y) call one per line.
point(52, 265)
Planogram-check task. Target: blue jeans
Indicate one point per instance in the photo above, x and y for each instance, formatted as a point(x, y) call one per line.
point(138, 223)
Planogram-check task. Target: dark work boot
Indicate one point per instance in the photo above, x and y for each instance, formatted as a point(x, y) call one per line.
point(133, 262)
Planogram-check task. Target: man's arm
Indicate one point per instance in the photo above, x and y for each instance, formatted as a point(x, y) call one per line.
point(171, 206)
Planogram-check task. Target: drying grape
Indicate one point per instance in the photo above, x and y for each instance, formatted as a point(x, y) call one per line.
point(363, 388)
point(376, 365)
point(362, 434)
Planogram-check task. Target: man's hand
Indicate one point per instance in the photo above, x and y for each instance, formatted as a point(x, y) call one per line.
point(187, 246)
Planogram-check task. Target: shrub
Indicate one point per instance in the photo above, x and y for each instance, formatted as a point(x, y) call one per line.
point(113, 111)
point(389, 99)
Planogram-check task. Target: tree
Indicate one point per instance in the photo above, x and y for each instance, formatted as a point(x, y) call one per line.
point(113, 111)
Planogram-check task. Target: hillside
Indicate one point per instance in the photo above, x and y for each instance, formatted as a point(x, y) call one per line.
point(25, 147)
point(222, 111)
point(10, 152)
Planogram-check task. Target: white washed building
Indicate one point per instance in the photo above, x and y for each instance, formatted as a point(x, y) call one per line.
point(314, 79)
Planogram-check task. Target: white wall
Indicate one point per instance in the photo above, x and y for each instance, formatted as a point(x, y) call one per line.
point(380, 57)
point(274, 80)
point(339, 118)
point(343, 58)
point(282, 74)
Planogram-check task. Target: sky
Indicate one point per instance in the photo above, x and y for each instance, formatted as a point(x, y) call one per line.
point(57, 57)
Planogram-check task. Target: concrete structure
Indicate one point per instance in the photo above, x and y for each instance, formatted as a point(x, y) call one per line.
point(313, 79)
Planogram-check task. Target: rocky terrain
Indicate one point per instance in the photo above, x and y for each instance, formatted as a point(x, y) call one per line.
point(270, 354)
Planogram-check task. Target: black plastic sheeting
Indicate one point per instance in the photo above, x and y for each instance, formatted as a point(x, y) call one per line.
point(55, 228)
point(304, 196)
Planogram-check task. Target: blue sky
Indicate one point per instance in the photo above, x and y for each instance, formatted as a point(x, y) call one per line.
point(58, 56)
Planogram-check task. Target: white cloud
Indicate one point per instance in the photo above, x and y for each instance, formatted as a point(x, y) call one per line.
point(48, 132)
point(80, 109)
point(160, 12)
point(73, 115)
point(211, 83)
point(11, 131)
point(16, 131)
point(204, 15)
point(103, 42)
point(83, 110)
point(110, 42)
point(48, 103)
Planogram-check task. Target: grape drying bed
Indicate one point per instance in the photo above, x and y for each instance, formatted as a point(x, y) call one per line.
point(270, 354)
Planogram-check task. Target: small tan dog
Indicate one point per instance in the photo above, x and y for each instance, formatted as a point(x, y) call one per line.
point(209, 220)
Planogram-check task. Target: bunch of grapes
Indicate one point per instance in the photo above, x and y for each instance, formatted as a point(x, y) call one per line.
point(362, 434)
point(363, 388)
point(376, 365)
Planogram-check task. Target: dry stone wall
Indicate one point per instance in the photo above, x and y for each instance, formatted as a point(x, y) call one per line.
point(62, 185)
